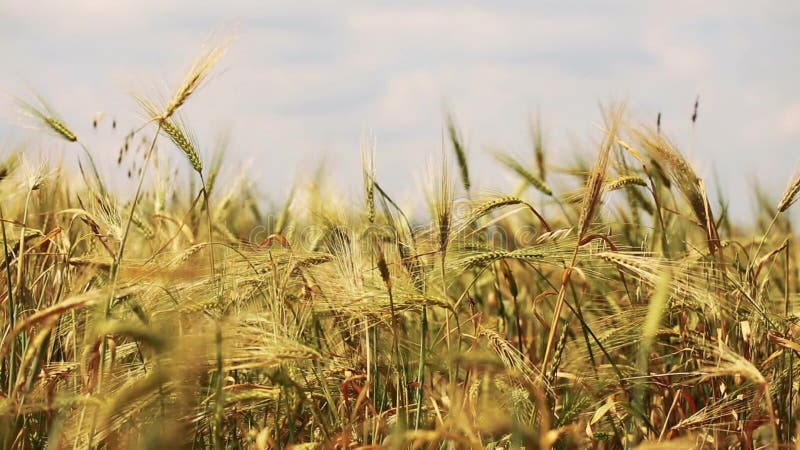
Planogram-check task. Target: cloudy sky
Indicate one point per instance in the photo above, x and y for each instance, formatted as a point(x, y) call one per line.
point(305, 81)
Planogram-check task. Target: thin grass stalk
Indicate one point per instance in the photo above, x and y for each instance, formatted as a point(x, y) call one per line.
point(764, 238)
point(12, 376)
point(790, 390)
point(21, 255)
point(115, 265)
point(421, 369)
point(12, 310)
point(383, 268)
point(219, 414)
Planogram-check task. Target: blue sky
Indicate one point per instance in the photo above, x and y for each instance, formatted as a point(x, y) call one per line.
point(306, 80)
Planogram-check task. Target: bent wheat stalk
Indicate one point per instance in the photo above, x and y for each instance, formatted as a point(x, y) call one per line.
point(588, 209)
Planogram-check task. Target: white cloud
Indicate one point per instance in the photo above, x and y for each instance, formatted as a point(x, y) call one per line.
point(311, 77)
point(789, 120)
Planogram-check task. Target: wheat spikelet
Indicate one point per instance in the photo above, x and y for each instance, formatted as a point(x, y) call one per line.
point(790, 194)
point(177, 132)
point(623, 181)
point(643, 267)
point(259, 394)
point(594, 186)
point(678, 169)
point(683, 175)
point(140, 224)
point(188, 253)
point(60, 128)
point(488, 206)
point(48, 118)
point(368, 172)
point(512, 164)
point(527, 254)
point(538, 148)
point(440, 202)
point(313, 259)
point(184, 141)
point(299, 353)
point(458, 148)
point(194, 79)
point(484, 258)
point(509, 355)
point(719, 413)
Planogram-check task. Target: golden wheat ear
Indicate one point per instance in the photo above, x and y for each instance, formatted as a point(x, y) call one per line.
point(196, 77)
point(790, 194)
point(368, 172)
point(594, 186)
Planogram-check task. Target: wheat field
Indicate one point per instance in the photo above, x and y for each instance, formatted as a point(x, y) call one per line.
point(608, 304)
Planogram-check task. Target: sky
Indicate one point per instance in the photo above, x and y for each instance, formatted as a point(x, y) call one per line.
point(304, 82)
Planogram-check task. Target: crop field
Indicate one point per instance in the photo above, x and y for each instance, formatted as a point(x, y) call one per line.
point(609, 303)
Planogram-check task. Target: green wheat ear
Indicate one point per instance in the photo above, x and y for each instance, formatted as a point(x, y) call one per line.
point(458, 148)
point(623, 181)
point(514, 166)
point(182, 138)
point(176, 130)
